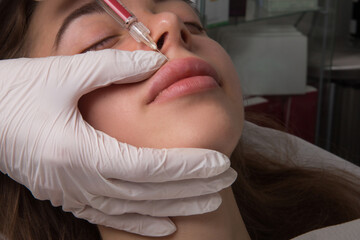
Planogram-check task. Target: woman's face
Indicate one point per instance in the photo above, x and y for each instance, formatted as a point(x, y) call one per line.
point(202, 109)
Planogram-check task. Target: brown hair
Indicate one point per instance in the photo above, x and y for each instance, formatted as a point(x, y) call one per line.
point(24, 217)
point(281, 200)
point(276, 200)
point(14, 19)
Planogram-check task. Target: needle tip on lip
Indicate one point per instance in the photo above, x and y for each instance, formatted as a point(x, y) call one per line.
point(162, 54)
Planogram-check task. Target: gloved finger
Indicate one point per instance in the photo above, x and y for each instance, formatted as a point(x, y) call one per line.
point(154, 165)
point(119, 189)
point(133, 223)
point(86, 72)
point(160, 208)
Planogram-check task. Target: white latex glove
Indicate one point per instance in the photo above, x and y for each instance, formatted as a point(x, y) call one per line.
point(46, 146)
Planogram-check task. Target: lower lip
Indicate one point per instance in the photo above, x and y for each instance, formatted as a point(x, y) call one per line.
point(187, 86)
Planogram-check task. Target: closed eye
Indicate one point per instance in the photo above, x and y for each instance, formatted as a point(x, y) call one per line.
point(105, 43)
point(195, 28)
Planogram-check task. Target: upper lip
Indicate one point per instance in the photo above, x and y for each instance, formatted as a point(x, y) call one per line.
point(176, 70)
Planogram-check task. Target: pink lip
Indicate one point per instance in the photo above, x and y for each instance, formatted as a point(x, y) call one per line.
point(181, 77)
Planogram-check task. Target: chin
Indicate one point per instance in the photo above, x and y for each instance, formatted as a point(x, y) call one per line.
point(224, 140)
point(224, 143)
point(220, 134)
point(211, 125)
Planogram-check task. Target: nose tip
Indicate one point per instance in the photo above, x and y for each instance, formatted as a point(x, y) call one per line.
point(173, 37)
point(170, 31)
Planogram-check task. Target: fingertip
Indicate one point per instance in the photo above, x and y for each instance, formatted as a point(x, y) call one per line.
point(204, 204)
point(206, 163)
point(129, 222)
point(151, 226)
point(165, 227)
point(148, 58)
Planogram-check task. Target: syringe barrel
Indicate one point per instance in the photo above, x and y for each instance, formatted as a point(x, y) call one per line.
point(119, 12)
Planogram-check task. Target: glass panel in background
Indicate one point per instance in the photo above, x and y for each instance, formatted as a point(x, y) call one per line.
point(317, 22)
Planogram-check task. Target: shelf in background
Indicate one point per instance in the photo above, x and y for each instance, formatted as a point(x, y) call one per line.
point(260, 14)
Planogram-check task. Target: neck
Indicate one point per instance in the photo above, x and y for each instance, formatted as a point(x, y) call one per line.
point(224, 223)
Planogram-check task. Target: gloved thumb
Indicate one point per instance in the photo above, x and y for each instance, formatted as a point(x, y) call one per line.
point(83, 73)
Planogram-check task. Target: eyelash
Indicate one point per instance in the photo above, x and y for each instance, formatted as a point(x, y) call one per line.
point(198, 27)
point(102, 43)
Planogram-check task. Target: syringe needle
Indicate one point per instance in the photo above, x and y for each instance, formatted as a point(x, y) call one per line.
point(162, 54)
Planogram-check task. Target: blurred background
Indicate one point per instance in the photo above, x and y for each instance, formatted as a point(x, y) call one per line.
point(299, 63)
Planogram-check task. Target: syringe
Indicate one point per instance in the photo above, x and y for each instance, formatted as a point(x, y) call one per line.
point(129, 21)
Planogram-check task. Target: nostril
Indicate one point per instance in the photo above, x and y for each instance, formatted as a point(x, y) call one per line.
point(161, 41)
point(184, 36)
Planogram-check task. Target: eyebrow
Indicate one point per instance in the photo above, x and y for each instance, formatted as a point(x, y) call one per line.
point(90, 8)
point(86, 9)
point(193, 5)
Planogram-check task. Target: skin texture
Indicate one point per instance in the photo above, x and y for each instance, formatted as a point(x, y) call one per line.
point(211, 118)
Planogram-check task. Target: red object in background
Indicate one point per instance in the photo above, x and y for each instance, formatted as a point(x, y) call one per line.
point(237, 8)
point(296, 112)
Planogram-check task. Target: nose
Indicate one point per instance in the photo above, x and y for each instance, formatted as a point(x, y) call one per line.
point(169, 31)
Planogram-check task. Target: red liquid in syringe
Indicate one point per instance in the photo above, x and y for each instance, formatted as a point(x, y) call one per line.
point(119, 9)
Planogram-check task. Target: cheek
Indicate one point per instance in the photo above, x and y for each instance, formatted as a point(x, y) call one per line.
point(111, 110)
point(221, 60)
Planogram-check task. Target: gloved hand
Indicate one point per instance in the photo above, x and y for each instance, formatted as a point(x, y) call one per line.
point(47, 146)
